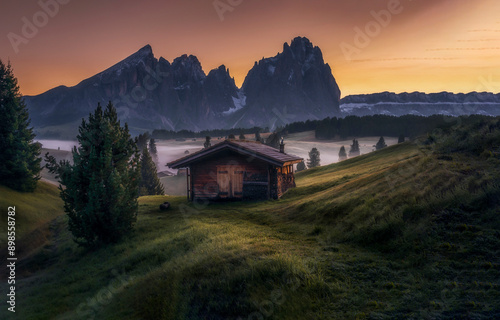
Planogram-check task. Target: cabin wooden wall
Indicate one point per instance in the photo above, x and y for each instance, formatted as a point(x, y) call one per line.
point(255, 178)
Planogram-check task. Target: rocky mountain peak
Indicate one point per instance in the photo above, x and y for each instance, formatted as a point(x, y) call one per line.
point(144, 53)
point(186, 61)
point(190, 66)
point(146, 50)
point(308, 89)
point(303, 51)
point(301, 45)
point(222, 72)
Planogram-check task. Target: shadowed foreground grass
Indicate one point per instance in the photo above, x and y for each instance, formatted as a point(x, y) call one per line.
point(399, 233)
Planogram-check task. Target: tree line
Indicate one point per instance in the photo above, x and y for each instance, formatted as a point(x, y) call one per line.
point(374, 125)
point(188, 134)
point(330, 128)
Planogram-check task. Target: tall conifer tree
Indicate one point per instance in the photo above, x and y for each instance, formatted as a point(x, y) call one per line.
point(354, 151)
point(101, 185)
point(380, 144)
point(149, 184)
point(153, 151)
point(342, 154)
point(314, 159)
point(257, 136)
point(19, 155)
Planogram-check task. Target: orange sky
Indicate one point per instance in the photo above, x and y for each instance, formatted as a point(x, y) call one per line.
point(428, 45)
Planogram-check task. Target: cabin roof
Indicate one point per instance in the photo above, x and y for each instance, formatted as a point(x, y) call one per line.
point(253, 149)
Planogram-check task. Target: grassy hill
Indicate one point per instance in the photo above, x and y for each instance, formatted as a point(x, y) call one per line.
point(410, 231)
point(33, 213)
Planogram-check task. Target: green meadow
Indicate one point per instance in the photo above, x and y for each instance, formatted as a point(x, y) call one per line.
point(408, 232)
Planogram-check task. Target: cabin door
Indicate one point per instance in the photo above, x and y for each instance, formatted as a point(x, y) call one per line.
point(230, 181)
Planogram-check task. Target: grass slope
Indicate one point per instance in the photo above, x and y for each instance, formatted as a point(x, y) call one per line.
point(404, 232)
point(32, 209)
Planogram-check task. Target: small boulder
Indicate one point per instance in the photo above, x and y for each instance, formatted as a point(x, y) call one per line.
point(164, 206)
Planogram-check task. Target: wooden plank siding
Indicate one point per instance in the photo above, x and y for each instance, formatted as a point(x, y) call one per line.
point(237, 176)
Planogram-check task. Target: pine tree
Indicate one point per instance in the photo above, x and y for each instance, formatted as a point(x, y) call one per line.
point(153, 151)
point(142, 141)
point(242, 136)
point(149, 184)
point(401, 138)
point(301, 166)
point(380, 144)
point(257, 136)
point(101, 186)
point(19, 156)
point(314, 160)
point(342, 154)
point(274, 140)
point(354, 151)
point(231, 137)
point(207, 143)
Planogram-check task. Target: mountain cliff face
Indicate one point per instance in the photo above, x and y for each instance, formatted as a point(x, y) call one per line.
point(294, 85)
point(152, 93)
point(419, 103)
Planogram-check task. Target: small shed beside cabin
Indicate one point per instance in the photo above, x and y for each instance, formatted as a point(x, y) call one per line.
point(238, 169)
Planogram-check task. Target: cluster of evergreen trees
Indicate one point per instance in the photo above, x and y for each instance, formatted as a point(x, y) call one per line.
point(187, 134)
point(353, 151)
point(375, 125)
point(330, 128)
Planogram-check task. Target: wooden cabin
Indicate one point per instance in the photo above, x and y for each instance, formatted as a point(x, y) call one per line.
point(238, 169)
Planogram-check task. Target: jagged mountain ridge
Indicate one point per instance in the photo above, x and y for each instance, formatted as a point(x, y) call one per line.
point(424, 104)
point(152, 93)
point(147, 92)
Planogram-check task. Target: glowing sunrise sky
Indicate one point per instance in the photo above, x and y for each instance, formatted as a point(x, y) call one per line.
point(428, 45)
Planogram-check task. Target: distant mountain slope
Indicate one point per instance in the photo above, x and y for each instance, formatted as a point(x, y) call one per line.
point(419, 103)
point(152, 93)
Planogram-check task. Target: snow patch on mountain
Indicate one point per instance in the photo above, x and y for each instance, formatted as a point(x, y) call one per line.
point(271, 69)
point(239, 103)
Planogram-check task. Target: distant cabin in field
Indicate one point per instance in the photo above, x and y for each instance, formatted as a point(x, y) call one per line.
point(238, 169)
point(166, 173)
